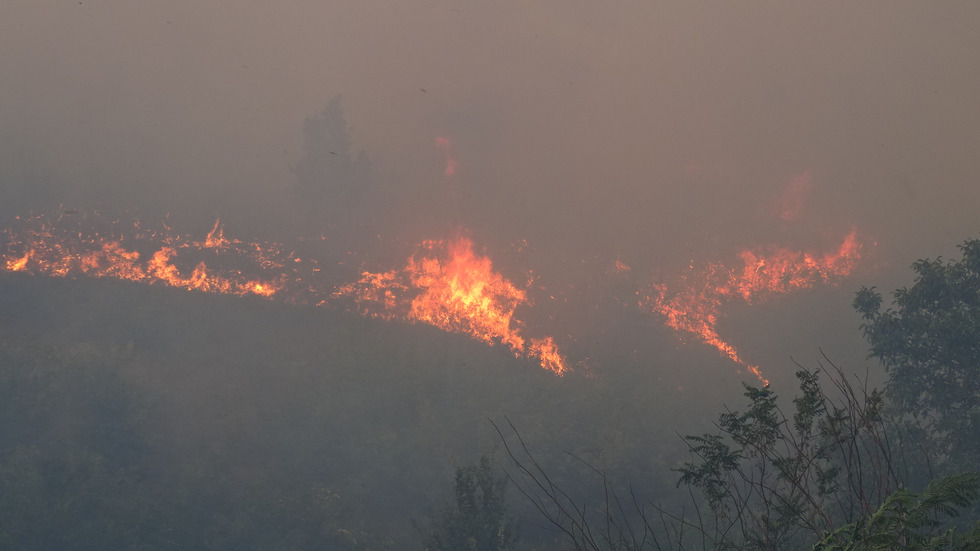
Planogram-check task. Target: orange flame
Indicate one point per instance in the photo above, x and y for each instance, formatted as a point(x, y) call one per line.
point(546, 350)
point(456, 290)
point(18, 264)
point(696, 308)
point(216, 239)
point(444, 284)
point(64, 253)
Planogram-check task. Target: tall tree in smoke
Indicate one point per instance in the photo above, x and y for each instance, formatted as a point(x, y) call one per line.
point(332, 181)
point(477, 517)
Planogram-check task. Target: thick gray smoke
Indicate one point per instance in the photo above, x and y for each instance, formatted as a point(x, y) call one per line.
point(655, 134)
point(605, 155)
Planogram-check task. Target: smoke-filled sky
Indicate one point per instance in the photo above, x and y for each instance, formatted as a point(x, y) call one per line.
point(655, 133)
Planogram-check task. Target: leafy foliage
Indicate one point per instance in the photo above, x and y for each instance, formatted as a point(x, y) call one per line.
point(910, 521)
point(773, 481)
point(930, 345)
point(836, 473)
point(476, 519)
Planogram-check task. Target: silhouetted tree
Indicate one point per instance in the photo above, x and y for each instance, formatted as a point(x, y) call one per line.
point(930, 345)
point(331, 179)
point(774, 481)
point(768, 480)
point(837, 472)
point(476, 519)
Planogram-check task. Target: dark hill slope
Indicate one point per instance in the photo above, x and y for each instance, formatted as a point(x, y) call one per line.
point(249, 423)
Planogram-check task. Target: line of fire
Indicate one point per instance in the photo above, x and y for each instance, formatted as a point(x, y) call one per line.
point(443, 283)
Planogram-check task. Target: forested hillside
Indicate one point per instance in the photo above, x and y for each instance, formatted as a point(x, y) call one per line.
point(164, 419)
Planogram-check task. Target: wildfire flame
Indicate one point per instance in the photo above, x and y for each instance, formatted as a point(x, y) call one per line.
point(447, 285)
point(44, 248)
point(697, 306)
point(216, 239)
point(444, 283)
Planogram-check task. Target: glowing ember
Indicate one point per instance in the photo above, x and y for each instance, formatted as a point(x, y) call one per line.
point(449, 286)
point(696, 308)
point(620, 267)
point(18, 264)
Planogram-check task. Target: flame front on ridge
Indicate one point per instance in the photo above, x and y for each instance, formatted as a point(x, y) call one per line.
point(447, 285)
point(50, 249)
point(696, 307)
point(444, 283)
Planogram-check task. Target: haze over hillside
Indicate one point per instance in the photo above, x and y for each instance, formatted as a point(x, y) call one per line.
point(329, 240)
point(375, 412)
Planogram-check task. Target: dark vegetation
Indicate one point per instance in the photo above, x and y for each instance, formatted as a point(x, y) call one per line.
point(147, 418)
point(849, 467)
point(476, 518)
point(153, 418)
